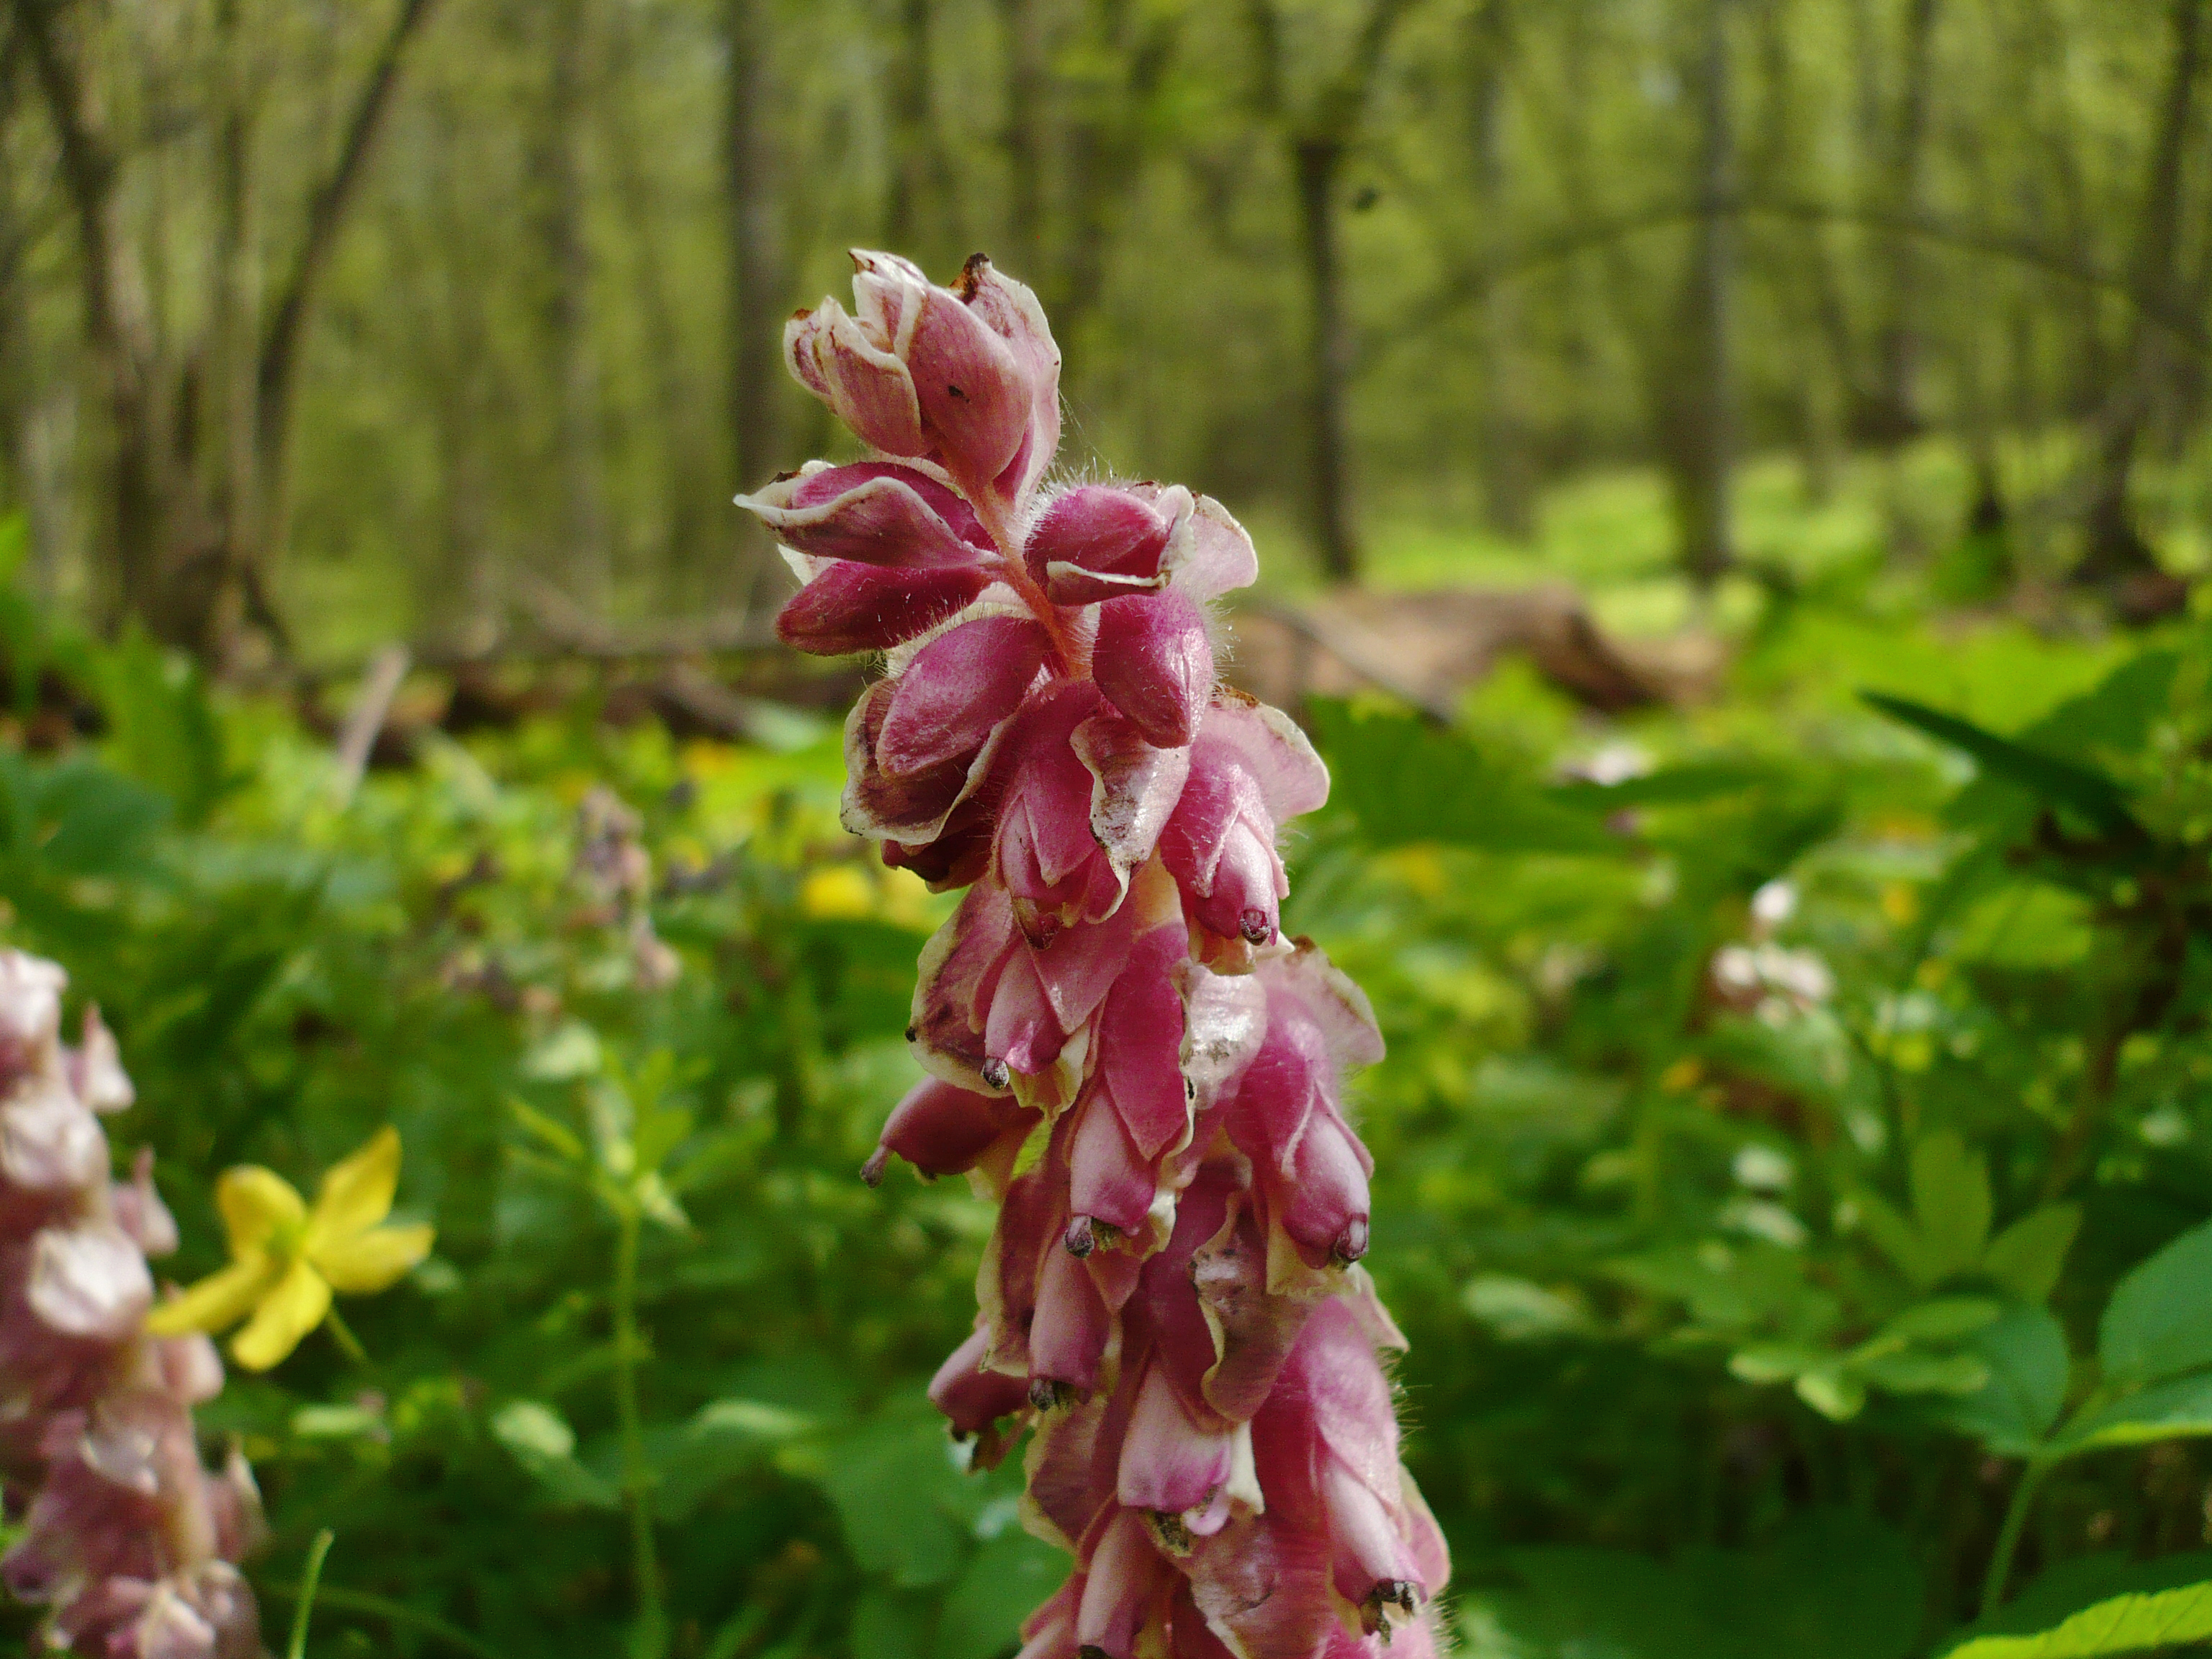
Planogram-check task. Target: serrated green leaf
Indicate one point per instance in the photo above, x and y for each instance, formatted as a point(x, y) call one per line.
point(2159, 1322)
point(2126, 1624)
point(2027, 1257)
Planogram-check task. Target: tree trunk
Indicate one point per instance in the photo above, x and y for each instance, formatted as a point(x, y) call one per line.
point(1023, 28)
point(1316, 162)
point(2115, 547)
point(1894, 414)
point(1700, 438)
point(585, 568)
point(753, 209)
point(915, 214)
point(284, 333)
point(1507, 488)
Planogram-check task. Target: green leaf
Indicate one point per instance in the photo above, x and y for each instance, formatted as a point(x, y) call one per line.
point(2025, 1352)
point(1916, 1372)
point(2027, 1257)
point(2178, 1409)
point(541, 1440)
point(899, 1497)
point(1833, 1393)
point(1406, 782)
point(1950, 1202)
point(1896, 1238)
point(889, 1626)
point(1944, 1319)
point(1006, 1582)
point(2159, 1322)
point(2126, 1624)
point(2062, 782)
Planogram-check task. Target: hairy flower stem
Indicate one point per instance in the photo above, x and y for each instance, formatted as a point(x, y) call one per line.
point(649, 1638)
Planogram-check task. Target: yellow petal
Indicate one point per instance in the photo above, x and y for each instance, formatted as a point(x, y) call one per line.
point(220, 1300)
point(357, 1193)
point(288, 1313)
point(257, 1204)
point(366, 1262)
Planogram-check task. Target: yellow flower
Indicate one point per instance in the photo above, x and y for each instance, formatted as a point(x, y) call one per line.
point(285, 1260)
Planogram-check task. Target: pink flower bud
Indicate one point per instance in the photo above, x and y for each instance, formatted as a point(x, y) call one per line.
point(924, 371)
point(139, 1209)
point(846, 607)
point(1250, 768)
point(30, 1012)
point(1068, 1335)
point(956, 689)
point(876, 513)
point(1169, 1463)
point(95, 1068)
point(1124, 1583)
point(942, 1129)
point(1095, 542)
point(1154, 662)
point(972, 1398)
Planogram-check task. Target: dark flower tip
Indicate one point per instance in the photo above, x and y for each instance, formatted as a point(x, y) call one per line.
point(995, 1073)
point(1253, 924)
point(1351, 1242)
point(872, 1170)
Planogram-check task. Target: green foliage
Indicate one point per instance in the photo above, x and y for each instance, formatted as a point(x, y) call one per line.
point(1793, 1161)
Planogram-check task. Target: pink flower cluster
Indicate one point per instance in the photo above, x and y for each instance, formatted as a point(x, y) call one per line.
point(1122, 1048)
point(127, 1540)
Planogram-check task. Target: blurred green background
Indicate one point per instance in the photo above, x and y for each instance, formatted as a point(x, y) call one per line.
point(1795, 1145)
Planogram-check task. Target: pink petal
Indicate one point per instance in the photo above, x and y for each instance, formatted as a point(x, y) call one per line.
point(1068, 1337)
point(1011, 311)
point(1169, 1463)
point(845, 363)
point(1153, 660)
point(1126, 1578)
point(1369, 1563)
point(943, 1129)
point(1134, 787)
point(1020, 1033)
point(1140, 1045)
point(95, 1068)
point(1324, 1206)
point(1263, 1585)
point(1049, 1632)
point(1109, 1180)
point(971, 1398)
point(974, 392)
point(876, 513)
point(1210, 553)
point(957, 687)
point(1095, 542)
point(955, 981)
point(847, 608)
point(89, 1282)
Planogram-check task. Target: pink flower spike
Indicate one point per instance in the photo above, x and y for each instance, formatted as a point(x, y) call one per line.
point(1095, 542)
point(942, 1129)
point(876, 513)
point(957, 687)
point(1155, 664)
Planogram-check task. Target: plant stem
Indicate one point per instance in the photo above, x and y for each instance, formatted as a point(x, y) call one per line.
point(341, 1334)
point(2015, 1522)
point(310, 1576)
point(637, 1491)
point(392, 1612)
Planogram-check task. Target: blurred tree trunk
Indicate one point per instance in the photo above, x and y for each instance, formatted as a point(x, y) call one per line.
point(2115, 548)
point(1697, 439)
point(1317, 140)
point(1022, 26)
point(1508, 484)
point(752, 210)
point(189, 553)
point(1894, 415)
point(585, 567)
point(918, 218)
